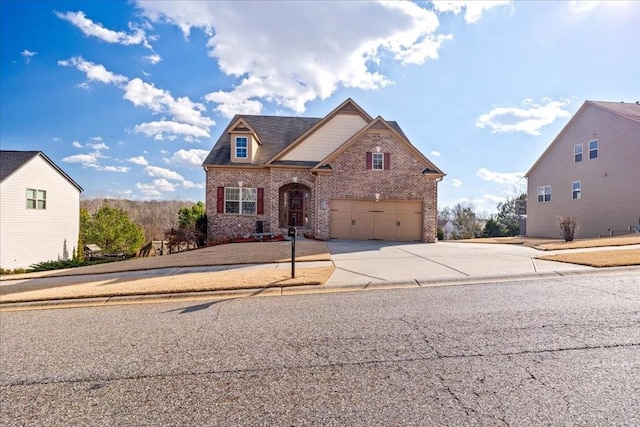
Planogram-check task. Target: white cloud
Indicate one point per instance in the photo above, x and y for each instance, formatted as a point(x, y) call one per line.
point(99, 146)
point(158, 172)
point(189, 184)
point(188, 120)
point(506, 178)
point(140, 160)
point(27, 55)
point(76, 144)
point(113, 168)
point(473, 9)
point(154, 59)
point(87, 160)
point(168, 130)
point(528, 120)
point(436, 153)
point(97, 30)
point(156, 188)
point(456, 183)
point(188, 158)
point(94, 72)
point(334, 46)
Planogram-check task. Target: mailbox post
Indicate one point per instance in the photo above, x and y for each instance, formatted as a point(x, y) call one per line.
point(292, 233)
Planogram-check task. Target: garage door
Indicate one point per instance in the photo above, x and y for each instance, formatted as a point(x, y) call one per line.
point(384, 220)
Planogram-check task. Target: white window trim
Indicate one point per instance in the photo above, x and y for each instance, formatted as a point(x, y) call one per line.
point(373, 161)
point(240, 201)
point(37, 199)
point(578, 190)
point(575, 153)
point(544, 194)
point(246, 148)
point(597, 149)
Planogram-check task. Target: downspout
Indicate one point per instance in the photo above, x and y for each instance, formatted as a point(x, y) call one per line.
point(317, 213)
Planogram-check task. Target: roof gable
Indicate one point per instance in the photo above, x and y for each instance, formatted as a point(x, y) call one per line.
point(241, 126)
point(381, 124)
point(327, 134)
point(275, 133)
point(630, 111)
point(11, 161)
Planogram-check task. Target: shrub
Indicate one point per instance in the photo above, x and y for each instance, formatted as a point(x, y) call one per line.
point(568, 227)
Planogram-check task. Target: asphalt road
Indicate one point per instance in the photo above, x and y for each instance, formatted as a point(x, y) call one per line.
point(562, 351)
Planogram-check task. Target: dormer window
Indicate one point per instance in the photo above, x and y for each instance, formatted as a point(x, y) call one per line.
point(241, 147)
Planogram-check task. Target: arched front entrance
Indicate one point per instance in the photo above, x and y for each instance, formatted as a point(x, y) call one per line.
point(294, 205)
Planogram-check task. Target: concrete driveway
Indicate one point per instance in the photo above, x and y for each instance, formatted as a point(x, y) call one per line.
point(362, 262)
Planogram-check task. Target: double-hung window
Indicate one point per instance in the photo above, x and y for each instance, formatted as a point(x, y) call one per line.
point(593, 149)
point(240, 200)
point(378, 161)
point(36, 199)
point(577, 153)
point(576, 187)
point(544, 194)
point(241, 147)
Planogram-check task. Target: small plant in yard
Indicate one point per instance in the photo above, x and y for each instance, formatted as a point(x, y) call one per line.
point(568, 227)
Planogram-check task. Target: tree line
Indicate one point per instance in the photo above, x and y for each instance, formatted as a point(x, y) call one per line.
point(463, 222)
point(122, 226)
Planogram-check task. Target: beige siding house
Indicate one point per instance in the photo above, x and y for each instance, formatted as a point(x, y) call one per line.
point(39, 210)
point(346, 175)
point(591, 171)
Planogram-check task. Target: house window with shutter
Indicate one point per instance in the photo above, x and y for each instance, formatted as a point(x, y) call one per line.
point(36, 199)
point(378, 161)
point(240, 200)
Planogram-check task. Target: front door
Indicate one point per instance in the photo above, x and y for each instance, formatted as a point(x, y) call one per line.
point(296, 208)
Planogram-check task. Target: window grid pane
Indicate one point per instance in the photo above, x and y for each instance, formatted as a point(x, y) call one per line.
point(544, 194)
point(36, 199)
point(593, 149)
point(577, 151)
point(576, 190)
point(241, 147)
point(239, 200)
point(378, 161)
point(232, 207)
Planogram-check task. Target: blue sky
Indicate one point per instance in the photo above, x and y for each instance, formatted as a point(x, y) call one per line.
point(129, 97)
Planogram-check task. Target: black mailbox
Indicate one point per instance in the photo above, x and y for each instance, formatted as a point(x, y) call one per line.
point(292, 232)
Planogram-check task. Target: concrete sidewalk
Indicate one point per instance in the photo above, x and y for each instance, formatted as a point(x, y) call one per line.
point(358, 265)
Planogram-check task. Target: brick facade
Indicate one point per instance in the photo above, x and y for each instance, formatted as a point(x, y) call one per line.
point(349, 178)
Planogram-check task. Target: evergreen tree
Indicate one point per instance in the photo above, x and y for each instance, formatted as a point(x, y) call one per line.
point(113, 231)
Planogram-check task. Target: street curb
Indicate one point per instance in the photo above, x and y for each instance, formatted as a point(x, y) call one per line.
point(304, 289)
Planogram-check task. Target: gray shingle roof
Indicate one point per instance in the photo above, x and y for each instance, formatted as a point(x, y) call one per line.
point(627, 109)
point(275, 133)
point(10, 161)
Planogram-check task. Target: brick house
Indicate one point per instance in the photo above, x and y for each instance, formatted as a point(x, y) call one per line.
point(589, 171)
point(346, 175)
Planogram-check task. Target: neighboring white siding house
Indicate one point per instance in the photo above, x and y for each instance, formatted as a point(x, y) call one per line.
point(591, 171)
point(39, 210)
